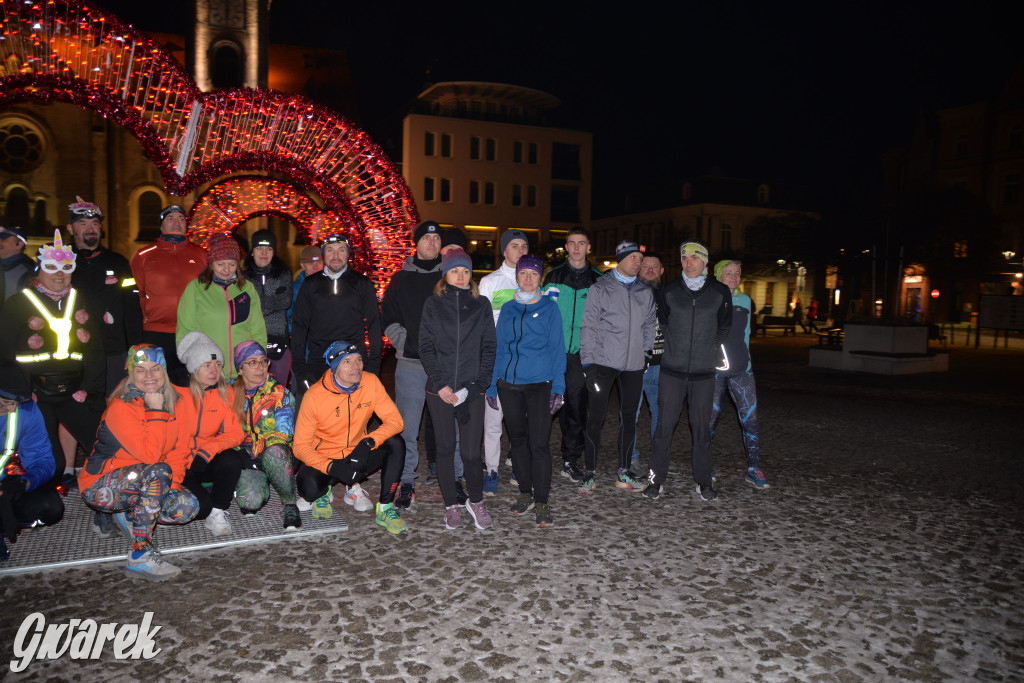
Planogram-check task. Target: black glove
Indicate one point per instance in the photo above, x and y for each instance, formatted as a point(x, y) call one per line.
point(492, 401)
point(352, 469)
point(11, 489)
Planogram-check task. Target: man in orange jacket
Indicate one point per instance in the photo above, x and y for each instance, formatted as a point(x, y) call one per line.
point(332, 440)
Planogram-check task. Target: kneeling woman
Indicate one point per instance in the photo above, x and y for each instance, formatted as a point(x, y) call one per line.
point(128, 470)
point(268, 418)
point(457, 350)
point(210, 431)
point(529, 378)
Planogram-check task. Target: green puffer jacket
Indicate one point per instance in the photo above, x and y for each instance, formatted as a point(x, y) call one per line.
point(228, 317)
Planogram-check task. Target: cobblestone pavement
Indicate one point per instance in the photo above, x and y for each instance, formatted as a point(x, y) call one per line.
point(889, 547)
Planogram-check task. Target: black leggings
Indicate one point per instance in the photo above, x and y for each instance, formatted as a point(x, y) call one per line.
point(600, 379)
point(472, 432)
point(223, 472)
point(527, 409)
point(389, 458)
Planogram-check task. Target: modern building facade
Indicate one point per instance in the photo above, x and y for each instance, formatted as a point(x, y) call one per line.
point(479, 157)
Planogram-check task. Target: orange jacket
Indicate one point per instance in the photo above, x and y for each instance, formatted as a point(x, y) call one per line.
point(332, 423)
point(129, 433)
point(207, 430)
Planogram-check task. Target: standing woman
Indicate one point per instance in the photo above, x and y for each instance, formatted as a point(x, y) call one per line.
point(738, 378)
point(268, 418)
point(221, 302)
point(209, 431)
point(129, 470)
point(273, 283)
point(456, 347)
point(529, 378)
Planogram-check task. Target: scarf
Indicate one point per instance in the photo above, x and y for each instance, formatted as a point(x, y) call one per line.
point(527, 299)
point(695, 283)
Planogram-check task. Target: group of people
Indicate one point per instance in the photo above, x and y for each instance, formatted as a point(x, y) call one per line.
point(192, 378)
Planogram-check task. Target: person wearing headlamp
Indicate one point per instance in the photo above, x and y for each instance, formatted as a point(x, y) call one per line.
point(47, 329)
point(333, 439)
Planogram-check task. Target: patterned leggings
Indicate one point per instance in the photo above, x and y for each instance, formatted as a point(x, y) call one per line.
point(275, 464)
point(145, 493)
point(744, 395)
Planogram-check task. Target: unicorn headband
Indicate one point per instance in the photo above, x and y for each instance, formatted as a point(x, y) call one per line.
point(83, 209)
point(58, 257)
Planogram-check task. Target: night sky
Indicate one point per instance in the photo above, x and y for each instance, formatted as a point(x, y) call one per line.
point(809, 92)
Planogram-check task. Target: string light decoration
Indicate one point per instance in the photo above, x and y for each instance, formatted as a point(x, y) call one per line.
point(60, 50)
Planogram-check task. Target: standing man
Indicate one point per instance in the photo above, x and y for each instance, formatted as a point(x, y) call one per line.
point(499, 287)
point(401, 311)
point(573, 280)
point(48, 330)
point(17, 268)
point(696, 315)
point(617, 339)
point(162, 272)
point(336, 303)
point(104, 279)
point(311, 261)
point(651, 271)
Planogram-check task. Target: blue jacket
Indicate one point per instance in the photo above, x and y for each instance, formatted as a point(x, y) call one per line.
point(531, 346)
point(31, 444)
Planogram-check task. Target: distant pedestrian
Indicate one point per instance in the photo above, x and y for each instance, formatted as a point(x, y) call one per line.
point(738, 378)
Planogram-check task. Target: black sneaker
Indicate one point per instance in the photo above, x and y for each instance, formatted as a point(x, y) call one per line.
point(460, 493)
point(524, 503)
point(292, 520)
point(652, 491)
point(706, 492)
point(543, 513)
point(572, 472)
point(103, 524)
point(405, 497)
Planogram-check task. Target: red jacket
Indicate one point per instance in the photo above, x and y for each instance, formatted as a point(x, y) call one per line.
point(161, 271)
point(130, 433)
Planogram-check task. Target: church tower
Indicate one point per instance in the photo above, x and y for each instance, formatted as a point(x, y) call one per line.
point(227, 44)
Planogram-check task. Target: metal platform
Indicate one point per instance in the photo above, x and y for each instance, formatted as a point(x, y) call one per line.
point(72, 541)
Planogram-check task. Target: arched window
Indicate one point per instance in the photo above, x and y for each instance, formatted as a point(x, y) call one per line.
point(16, 213)
point(227, 66)
point(148, 215)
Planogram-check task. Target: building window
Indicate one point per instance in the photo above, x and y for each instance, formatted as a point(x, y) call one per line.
point(565, 204)
point(517, 152)
point(762, 194)
point(960, 249)
point(446, 145)
point(726, 238)
point(517, 195)
point(491, 149)
point(1017, 136)
point(446, 190)
point(21, 146)
point(474, 192)
point(428, 145)
point(531, 195)
point(961, 147)
point(1012, 189)
point(474, 147)
point(531, 153)
point(148, 207)
point(428, 189)
point(488, 193)
point(227, 62)
point(565, 161)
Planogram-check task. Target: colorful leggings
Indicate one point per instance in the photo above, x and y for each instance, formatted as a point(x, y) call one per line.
point(275, 464)
point(744, 395)
point(145, 493)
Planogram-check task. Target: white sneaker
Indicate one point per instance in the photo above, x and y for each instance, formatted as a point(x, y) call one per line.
point(357, 498)
point(217, 523)
point(303, 504)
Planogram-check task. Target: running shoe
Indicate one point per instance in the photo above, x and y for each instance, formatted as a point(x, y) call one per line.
point(481, 518)
point(572, 472)
point(217, 523)
point(543, 512)
point(150, 566)
point(628, 481)
point(291, 518)
point(388, 517)
point(755, 478)
point(589, 482)
point(524, 503)
point(357, 498)
point(491, 484)
point(406, 494)
point(452, 518)
point(322, 507)
point(706, 492)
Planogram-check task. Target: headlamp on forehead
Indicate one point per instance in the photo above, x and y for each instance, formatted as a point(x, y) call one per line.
point(340, 352)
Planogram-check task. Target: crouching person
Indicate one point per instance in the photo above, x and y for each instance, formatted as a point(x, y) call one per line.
point(332, 441)
point(26, 462)
point(268, 418)
point(210, 431)
point(129, 471)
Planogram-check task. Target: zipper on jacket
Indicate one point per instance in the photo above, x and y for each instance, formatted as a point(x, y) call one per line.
point(693, 321)
point(458, 339)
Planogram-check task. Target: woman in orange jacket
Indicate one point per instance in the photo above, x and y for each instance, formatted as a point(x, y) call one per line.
point(210, 431)
point(129, 471)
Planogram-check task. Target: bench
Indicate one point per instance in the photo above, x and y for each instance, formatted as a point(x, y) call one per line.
point(832, 337)
point(773, 322)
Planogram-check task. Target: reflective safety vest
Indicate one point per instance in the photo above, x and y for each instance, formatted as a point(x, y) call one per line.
point(12, 436)
point(60, 326)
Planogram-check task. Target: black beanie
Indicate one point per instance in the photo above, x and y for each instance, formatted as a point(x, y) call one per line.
point(424, 228)
point(14, 382)
point(263, 238)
